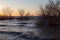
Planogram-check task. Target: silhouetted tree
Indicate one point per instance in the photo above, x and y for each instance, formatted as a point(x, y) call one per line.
point(7, 11)
point(50, 18)
point(21, 12)
point(41, 11)
point(27, 14)
point(51, 13)
point(53, 8)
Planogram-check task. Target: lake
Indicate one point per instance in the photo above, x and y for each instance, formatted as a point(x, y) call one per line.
point(19, 29)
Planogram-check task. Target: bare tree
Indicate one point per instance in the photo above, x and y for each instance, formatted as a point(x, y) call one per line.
point(7, 12)
point(51, 11)
point(27, 14)
point(21, 12)
point(51, 16)
point(41, 11)
point(53, 8)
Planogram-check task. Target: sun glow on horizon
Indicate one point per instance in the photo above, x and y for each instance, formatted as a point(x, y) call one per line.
point(15, 13)
point(32, 11)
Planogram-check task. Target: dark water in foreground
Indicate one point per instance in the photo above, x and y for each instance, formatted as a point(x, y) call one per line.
point(17, 29)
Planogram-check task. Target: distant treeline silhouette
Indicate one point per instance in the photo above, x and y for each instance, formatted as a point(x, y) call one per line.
point(7, 13)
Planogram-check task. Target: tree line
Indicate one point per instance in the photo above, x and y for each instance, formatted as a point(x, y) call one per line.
point(9, 12)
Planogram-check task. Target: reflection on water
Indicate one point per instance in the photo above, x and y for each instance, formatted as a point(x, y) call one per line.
point(17, 29)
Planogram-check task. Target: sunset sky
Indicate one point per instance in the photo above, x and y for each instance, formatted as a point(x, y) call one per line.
point(25, 4)
point(31, 5)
